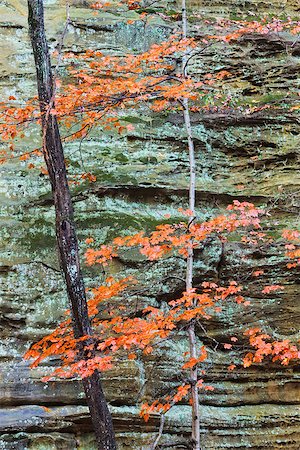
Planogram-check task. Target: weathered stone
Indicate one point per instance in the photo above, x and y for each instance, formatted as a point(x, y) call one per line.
point(140, 178)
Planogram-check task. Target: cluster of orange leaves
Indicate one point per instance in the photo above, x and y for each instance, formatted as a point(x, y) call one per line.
point(293, 247)
point(110, 82)
point(131, 4)
point(116, 329)
point(283, 351)
point(162, 406)
point(169, 237)
point(263, 27)
point(120, 331)
point(62, 343)
point(141, 332)
point(103, 85)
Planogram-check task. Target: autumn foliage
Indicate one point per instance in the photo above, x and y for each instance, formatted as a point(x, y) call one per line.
point(117, 330)
point(282, 351)
point(99, 87)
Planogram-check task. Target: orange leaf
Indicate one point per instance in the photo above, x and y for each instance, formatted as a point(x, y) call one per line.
point(227, 346)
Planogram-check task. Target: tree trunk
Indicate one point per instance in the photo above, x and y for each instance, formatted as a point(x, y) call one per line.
point(65, 229)
point(190, 257)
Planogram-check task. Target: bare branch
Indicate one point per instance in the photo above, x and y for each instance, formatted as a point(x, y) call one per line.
point(160, 432)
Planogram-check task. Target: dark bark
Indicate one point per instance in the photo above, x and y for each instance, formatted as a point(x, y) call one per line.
point(65, 228)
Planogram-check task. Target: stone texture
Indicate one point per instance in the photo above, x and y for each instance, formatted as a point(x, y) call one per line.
point(139, 179)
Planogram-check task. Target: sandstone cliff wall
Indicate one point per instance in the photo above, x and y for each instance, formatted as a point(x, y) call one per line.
point(139, 179)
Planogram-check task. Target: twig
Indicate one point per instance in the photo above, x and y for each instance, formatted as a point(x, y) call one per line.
point(160, 432)
point(195, 54)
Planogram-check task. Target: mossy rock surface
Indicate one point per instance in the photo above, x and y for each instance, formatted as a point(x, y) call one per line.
point(141, 177)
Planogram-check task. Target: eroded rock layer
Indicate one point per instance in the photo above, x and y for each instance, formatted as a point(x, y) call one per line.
point(240, 155)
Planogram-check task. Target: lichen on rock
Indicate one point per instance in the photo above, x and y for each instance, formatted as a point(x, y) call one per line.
point(140, 178)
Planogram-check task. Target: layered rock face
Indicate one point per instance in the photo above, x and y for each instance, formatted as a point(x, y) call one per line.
point(140, 177)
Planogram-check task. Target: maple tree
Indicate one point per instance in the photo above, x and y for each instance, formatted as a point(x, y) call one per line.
point(100, 89)
point(97, 91)
point(120, 331)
